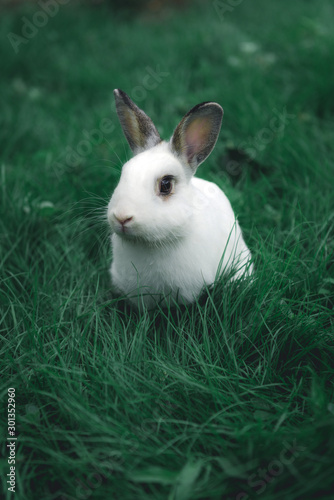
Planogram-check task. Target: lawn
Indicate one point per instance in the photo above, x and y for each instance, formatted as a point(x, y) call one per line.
point(231, 397)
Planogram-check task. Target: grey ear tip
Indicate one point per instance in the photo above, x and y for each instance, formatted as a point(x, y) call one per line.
point(213, 106)
point(218, 109)
point(216, 106)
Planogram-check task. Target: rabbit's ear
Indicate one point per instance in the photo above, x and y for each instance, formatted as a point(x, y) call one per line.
point(138, 128)
point(196, 134)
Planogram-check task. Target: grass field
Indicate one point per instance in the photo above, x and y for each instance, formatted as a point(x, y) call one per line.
point(231, 398)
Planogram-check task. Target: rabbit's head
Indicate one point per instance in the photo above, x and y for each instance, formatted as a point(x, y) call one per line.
point(153, 201)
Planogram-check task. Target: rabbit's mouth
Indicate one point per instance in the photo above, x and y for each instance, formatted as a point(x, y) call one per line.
point(123, 230)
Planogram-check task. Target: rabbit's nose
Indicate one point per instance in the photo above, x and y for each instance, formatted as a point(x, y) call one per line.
point(123, 219)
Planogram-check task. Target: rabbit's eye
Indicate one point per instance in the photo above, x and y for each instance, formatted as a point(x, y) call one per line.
point(166, 185)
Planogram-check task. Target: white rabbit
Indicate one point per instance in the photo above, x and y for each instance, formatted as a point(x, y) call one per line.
point(172, 232)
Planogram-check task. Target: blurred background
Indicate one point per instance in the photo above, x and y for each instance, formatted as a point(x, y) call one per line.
point(60, 61)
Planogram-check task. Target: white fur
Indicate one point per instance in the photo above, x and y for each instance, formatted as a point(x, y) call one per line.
point(172, 245)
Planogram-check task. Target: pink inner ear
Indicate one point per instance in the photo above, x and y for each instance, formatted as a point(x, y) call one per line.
point(196, 136)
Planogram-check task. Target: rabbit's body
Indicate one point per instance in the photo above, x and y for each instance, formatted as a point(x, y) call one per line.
point(170, 244)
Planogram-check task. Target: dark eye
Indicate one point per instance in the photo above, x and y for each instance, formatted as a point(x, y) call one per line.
point(166, 185)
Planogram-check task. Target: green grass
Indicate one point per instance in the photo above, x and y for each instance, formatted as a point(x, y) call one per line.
point(188, 403)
